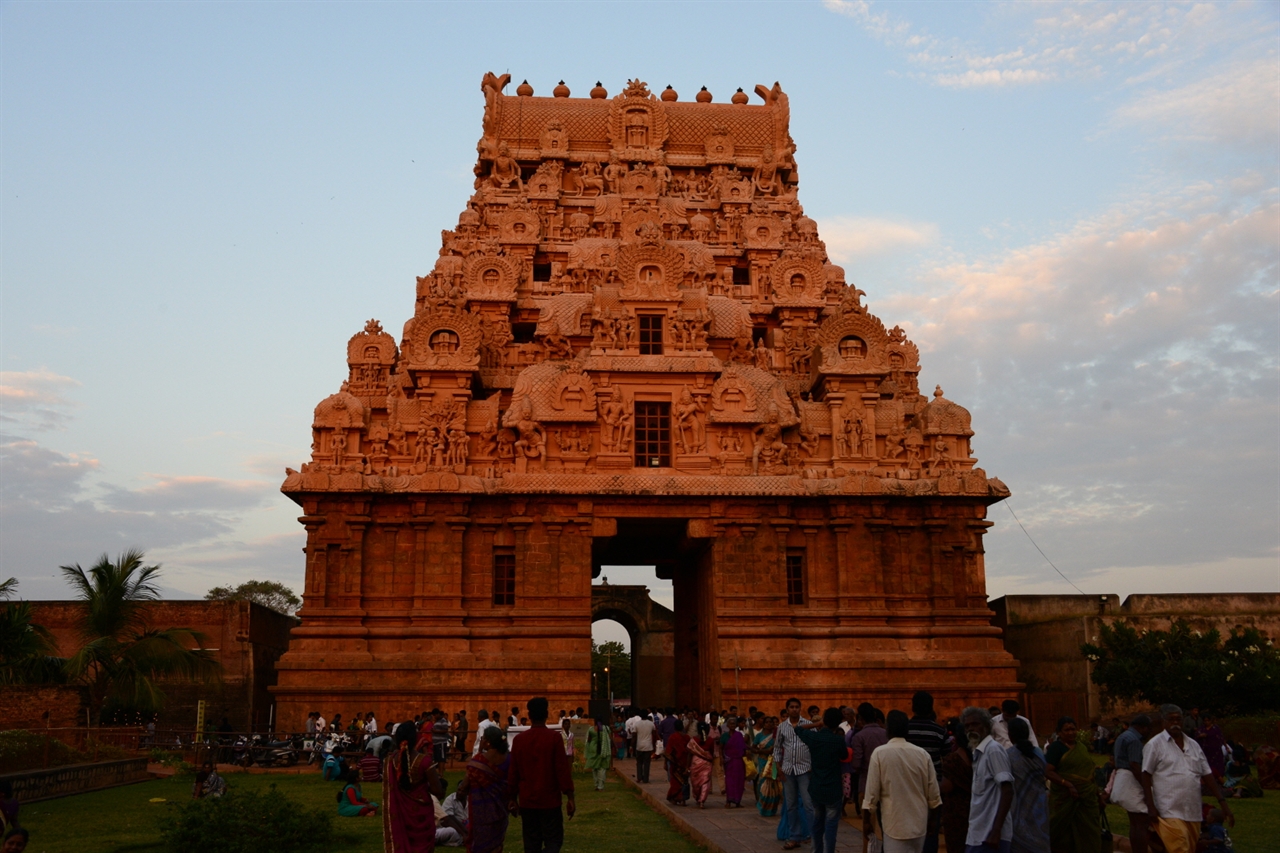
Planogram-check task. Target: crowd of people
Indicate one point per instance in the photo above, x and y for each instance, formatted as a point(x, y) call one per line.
point(982, 781)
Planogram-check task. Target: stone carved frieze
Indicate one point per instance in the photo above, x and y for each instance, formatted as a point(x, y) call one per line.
point(371, 355)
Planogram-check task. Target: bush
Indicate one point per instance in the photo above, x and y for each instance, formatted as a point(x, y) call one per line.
point(1195, 669)
point(22, 750)
point(248, 822)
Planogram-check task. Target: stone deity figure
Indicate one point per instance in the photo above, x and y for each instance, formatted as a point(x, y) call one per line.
point(838, 438)
point(809, 442)
point(457, 447)
point(893, 444)
point(766, 176)
point(506, 171)
point(767, 440)
point(689, 426)
point(338, 445)
point(614, 173)
point(589, 178)
point(913, 442)
point(764, 356)
point(941, 460)
point(615, 435)
point(488, 438)
point(532, 441)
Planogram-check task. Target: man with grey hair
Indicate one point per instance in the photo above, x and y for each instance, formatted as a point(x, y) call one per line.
point(1173, 768)
point(992, 790)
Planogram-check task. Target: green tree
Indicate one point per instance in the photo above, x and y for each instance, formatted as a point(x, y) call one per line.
point(1195, 669)
point(26, 648)
point(271, 594)
point(610, 665)
point(123, 657)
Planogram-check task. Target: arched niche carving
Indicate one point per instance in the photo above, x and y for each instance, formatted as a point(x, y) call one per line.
point(520, 226)
point(637, 123)
point(459, 350)
point(371, 346)
point(762, 232)
point(734, 399)
point(719, 147)
point(798, 279)
point(490, 276)
point(651, 269)
point(852, 343)
point(573, 397)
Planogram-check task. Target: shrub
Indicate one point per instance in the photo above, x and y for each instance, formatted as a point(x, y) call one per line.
point(1195, 669)
point(248, 822)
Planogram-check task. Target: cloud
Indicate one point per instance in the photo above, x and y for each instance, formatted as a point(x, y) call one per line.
point(1036, 43)
point(49, 517)
point(35, 399)
point(1237, 106)
point(1122, 377)
point(852, 237)
point(173, 494)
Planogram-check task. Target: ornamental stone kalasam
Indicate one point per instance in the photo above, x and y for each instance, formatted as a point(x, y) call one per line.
point(633, 349)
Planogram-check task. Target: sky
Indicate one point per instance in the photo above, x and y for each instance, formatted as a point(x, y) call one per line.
point(1072, 208)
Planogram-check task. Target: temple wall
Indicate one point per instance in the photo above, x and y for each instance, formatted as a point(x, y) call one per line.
point(888, 608)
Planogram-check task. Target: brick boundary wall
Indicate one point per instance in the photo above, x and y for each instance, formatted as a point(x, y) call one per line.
point(32, 786)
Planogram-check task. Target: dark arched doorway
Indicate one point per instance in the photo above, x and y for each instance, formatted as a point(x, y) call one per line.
point(651, 628)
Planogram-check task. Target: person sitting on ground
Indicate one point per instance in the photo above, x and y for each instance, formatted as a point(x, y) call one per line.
point(451, 822)
point(351, 801)
point(1213, 835)
point(370, 766)
point(1239, 784)
point(209, 783)
point(15, 840)
point(334, 766)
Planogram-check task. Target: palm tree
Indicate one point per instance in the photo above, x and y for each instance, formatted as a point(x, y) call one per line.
point(123, 657)
point(26, 649)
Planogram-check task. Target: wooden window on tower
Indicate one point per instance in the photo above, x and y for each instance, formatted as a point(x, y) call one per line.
point(653, 435)
point(795, 577)
point(650, 334)
point(504, 577)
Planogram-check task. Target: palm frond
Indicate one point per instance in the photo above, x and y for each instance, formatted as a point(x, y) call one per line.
point(9, 588)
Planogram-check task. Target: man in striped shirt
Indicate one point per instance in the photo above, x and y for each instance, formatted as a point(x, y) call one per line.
point(791, 756)
point(923, 731)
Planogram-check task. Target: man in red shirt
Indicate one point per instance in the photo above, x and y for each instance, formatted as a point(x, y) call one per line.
point(540, 773)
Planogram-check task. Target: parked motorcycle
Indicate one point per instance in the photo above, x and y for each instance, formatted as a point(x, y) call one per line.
point(274, 753)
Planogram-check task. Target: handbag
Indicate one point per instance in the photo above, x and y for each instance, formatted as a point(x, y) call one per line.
point(752, 770)
point(1108, 843)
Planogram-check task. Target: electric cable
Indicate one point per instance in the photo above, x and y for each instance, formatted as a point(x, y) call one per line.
point(1038, 548)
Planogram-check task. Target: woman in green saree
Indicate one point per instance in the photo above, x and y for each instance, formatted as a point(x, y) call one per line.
point(1075, 824)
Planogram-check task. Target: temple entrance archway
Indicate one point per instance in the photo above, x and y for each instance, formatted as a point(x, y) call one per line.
point(651, 628)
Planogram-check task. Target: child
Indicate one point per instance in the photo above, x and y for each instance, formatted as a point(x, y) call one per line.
point(1213, 836)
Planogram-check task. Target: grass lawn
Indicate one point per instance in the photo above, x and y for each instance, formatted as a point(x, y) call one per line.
point(122, 820)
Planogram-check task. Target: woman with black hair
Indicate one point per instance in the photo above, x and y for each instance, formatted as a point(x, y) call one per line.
point(1030, 811)
point(1075, 814)
point(410, 779)
point(956, 783)
point(351, 801)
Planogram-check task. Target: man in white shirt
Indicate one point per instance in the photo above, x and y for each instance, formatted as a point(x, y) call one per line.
point(1000, 723)
point(630, 727)
point(485, 723)
point(992, 789)
point(1173, 768)
point(371, 725)
point(902, 783)
point(644, 733)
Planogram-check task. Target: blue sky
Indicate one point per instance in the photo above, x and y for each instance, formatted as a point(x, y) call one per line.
point(1072, 208)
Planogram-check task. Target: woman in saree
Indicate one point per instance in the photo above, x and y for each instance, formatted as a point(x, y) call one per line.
point(1030, 811)
point(702, 755)
point(733, 745)
point(598, 750)
point(677, 766)
point(761, 748)
point(1213, 745)
point(1075, 824)
point(957, 788)
point(410, 780)
point(485, 790)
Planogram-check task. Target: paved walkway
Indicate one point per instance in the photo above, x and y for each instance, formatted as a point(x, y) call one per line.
point(724, 830)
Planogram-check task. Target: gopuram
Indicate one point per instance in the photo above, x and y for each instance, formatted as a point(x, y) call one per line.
point(633, 350)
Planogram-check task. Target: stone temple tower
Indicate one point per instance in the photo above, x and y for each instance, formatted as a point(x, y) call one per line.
point(634, 350)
